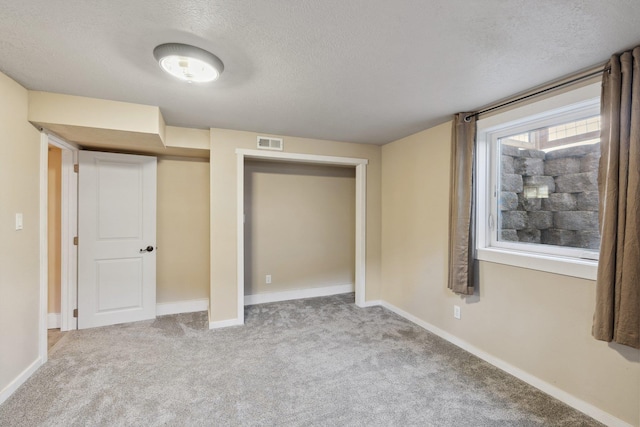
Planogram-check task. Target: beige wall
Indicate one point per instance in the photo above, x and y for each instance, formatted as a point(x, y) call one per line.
point(19, 264)
point(300, 226)
point(54, 218)
point(183, 229)
point(223, 210)
point(538, 322)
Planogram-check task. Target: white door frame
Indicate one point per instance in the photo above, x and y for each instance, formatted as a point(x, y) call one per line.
point(68, 252)
point(361, 212)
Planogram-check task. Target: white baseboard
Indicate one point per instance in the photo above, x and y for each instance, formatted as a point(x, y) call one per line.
point(189, 306)
point(54, 320)
point(297, 294)
point(582, 406)
point(226, 323)
point(19, 380)
point(372, 303)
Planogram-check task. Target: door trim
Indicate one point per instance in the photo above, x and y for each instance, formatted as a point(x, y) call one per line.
point(69, 224)
point(361, 217)
point(44, 240)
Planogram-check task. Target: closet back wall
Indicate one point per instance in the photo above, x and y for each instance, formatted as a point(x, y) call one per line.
point(299, 226)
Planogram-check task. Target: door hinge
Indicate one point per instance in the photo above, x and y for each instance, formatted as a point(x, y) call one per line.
point(76, 168)
point(75, 312)
point(75, 241)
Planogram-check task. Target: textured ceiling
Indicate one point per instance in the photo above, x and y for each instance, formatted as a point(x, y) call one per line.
point(366, 71)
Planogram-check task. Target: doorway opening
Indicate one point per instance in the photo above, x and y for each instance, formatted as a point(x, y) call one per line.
point(58, 227)
point(54, 245)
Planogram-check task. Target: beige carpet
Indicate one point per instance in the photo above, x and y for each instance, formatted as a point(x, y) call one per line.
point(314, 362)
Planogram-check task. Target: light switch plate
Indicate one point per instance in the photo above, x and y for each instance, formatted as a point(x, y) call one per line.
point(19, 221)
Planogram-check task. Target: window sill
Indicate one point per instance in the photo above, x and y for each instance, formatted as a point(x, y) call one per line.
point(582, 268)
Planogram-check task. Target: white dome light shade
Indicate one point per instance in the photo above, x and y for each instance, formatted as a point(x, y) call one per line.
point(188, 63)
point(189, 69)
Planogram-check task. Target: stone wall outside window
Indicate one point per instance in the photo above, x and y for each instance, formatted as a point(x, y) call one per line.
point(550, 198)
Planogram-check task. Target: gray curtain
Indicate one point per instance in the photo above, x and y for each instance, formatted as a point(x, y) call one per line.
point(462, 205)
point(617, 314)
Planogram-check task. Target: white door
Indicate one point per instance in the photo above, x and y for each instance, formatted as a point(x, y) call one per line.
point(116, 238)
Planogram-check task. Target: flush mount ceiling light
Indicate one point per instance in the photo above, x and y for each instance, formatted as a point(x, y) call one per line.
point(188, 63)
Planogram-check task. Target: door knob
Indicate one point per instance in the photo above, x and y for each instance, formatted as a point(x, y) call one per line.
point(147, 249)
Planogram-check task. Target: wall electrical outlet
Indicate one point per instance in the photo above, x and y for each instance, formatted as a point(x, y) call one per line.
point(456, 311)
point(267, 279)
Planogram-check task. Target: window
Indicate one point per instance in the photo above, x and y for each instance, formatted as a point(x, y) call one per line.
point(538, 184)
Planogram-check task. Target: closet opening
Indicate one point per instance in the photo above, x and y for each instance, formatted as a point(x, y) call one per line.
point(355, 166)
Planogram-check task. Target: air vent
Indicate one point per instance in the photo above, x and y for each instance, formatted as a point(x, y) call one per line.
point(265, 143)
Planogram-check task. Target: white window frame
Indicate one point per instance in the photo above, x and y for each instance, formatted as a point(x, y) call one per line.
point(571, 105)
